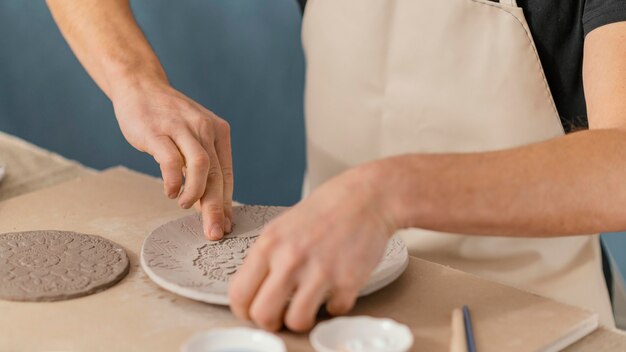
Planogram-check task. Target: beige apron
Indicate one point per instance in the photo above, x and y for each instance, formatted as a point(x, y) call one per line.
point(386, 77)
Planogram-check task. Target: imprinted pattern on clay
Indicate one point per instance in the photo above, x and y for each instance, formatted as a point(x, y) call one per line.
point(395, 247)
point(260, 214)
point(56, 265)
point(219, 261)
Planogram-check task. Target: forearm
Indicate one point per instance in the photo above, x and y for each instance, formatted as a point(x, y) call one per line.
point(567, 186)
point(107, 41)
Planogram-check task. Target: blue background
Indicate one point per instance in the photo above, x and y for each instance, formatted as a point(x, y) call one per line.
point(241, 59)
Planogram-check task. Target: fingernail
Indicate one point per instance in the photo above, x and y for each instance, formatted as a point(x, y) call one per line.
point(227, 225)
point(216, 232)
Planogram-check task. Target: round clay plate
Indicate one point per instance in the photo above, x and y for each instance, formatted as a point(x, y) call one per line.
point(177, 256)
point(57, 265)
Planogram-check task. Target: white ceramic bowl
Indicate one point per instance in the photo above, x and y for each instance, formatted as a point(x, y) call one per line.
point(361, 334)
point(234, 340)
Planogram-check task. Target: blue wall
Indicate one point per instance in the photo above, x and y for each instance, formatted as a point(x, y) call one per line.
point(241, 59)
point(616, 244)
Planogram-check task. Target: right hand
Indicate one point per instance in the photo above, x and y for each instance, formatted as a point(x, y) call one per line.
point(187, 140)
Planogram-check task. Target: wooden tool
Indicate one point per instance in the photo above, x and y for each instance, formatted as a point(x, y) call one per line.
point(458, 341)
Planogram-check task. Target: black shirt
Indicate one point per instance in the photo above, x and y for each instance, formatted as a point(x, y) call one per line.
point(559, 28)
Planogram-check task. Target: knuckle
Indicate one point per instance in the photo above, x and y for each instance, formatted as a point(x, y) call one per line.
point(171, 183)
point(298, 323)
point(263, 318)
point(223, 126)
point(169, 159)
point(263, 246)
point(294, 252)
point(266, 243)
point(205, 125)
point(199, 160)
point(339, 307)
point(214, 173)
point(321, 270)
point(342, 300)
point(151, 130)
point(167, 125)
point(191, 194)
point(348, 283)
point(270, 233)
point(187, 199)
point(213, 208)
point(292, 260)
point(227, 174)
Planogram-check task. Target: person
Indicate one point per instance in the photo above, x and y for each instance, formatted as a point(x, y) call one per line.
point(428, 118)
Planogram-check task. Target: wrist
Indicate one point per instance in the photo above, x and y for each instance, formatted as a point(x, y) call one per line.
point(400, 184)
point(123, 78)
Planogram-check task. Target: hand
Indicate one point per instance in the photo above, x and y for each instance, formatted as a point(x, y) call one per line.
point(323, 249)
point(186, 140)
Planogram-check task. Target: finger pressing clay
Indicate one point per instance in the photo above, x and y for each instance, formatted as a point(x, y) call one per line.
point(180, 259)
point(58, 265)
point(177, 256)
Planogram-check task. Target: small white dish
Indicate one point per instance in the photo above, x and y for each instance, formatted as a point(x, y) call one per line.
point(234, 340)
point(361, 334)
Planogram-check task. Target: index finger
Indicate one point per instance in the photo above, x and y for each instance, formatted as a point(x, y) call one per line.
point(224, 155)
point(212, 202)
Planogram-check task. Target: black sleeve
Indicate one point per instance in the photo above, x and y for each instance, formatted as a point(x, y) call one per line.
point(597, 13)
point(302, 4)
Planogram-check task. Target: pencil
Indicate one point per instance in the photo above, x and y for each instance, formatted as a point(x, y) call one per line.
point(471, 345)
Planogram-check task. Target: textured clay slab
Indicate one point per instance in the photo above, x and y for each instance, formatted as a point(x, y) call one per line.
point(58, 265)
point(180, 259)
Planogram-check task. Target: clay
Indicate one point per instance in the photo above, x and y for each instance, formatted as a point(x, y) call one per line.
point(58, 265)
point(178, 257)
point(219, 261)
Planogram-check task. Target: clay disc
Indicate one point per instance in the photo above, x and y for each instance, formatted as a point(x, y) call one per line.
point(177, 256)
point(58, 265)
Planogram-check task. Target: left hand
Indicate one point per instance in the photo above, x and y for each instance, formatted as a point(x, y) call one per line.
point(321, 250)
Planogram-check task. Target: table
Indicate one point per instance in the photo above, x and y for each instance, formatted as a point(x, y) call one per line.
point(33, 169)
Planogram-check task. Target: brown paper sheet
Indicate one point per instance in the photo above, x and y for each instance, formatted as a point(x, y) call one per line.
point(136, 315)
point(30, 168)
